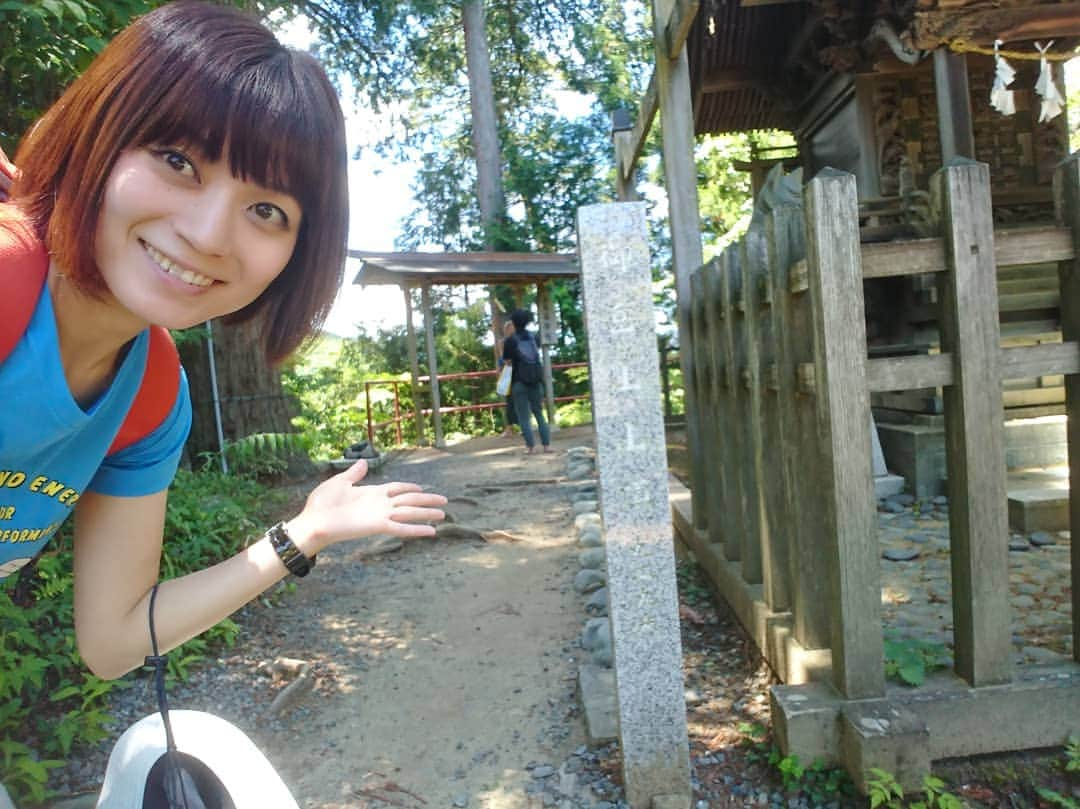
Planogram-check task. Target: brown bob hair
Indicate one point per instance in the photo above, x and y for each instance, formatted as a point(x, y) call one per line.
point(210, 77)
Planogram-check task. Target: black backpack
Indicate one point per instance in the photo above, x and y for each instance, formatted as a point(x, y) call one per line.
point(527, 364)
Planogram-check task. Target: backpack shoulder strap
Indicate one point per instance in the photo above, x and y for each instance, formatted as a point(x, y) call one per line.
point(157, 392)
point(24, 266)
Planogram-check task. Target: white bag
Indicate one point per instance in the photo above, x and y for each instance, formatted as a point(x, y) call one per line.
point(502, 387)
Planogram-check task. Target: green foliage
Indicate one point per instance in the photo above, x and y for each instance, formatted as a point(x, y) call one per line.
point(263, 455)
point(908, 660)
point(44, 44)
point(1071, 767)
point(49, 703)
point(886, 792)
point(819, 783)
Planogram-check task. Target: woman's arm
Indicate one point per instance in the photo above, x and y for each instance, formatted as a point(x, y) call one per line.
point(118, 550)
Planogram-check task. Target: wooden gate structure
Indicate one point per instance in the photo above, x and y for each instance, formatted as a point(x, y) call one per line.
point(783, 384)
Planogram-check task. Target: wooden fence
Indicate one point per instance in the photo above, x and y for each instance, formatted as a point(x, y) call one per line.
point(784, 514)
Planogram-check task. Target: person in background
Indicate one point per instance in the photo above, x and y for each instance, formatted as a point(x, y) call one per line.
point(527, 386)
point(509, 416)
point(196, 170)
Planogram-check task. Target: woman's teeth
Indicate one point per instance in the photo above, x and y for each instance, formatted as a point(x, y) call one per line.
point(187, 276)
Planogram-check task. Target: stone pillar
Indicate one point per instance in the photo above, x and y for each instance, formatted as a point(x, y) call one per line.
point(632, 469)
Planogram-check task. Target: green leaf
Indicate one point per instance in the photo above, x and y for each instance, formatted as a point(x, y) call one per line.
point(54, 7)
point(76, 9)
point(913, 673)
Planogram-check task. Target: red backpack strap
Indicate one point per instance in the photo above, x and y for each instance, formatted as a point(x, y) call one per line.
point(24, 265)
point(157, 392)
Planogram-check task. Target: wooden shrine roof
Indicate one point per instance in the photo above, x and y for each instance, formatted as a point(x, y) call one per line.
point(417, 269)
point(755, 63)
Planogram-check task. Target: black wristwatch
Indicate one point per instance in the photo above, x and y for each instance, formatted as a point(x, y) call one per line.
point(291, 556)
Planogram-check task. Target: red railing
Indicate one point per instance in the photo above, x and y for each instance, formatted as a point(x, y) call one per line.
point(399, 417)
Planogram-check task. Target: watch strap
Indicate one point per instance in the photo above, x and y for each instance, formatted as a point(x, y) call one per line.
point(291, 556)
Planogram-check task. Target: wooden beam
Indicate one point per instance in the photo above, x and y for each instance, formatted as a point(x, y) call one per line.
point(982, 26)
point(954, 105)
point(725, 81)
point(650, 103)
point(753, 3)
point(414, 366)
point(677, 25)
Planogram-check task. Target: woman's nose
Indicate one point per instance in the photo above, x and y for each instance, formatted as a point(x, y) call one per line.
point(206, 223)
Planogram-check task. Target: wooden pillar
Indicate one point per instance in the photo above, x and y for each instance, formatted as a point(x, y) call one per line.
point(680, 178)
point(974, 427)
point(1067, 192)
point(731, 381)
point(777, 392)
point(433, 365)
point(624, 186)
point(718, 447)
point(749, 405)
point(548, 333)
point(834, 265)
point(414, 366)
point(802, 451)
point(954, 105)
point(707, 423)
point(773, 517)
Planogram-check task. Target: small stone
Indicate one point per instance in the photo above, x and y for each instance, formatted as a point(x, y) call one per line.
point(586, 581)
point(1041, 538)
point(900, 554)
point(461, 801)
point(1018, 545)
point(592, 558)
point(543, 771)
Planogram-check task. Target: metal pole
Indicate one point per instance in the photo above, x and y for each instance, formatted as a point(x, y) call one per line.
point(214, 397)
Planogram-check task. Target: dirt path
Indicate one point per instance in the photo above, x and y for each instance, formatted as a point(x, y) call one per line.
point(441, 669)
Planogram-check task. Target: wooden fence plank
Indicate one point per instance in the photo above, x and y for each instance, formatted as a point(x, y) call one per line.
point(1048, 359)
point(843, 406)
point(974, 428)
point(1067, 188)
point(909, 373)
point(729, 275)
point(778, 517)
point(1014, 247)
point(704, 490)
point(751, 258)
point(801, 455)
point(718, 513)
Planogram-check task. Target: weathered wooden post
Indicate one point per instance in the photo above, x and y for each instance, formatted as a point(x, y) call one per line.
point(720, 521)
point(634, 509)
point(705, 489)
point(801, 451)
point(549, 331)
point(414, 365)
point(974, 426)
point(433, 365)
point(1067, 192)
point(775, 516)
point(732, 381)
point(751, 255)
point(846, 479)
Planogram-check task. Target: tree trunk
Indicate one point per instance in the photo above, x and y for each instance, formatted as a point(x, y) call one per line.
point(485, 140)
point(249, 390)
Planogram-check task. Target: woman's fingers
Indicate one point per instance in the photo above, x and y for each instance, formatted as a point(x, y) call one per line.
point(416, 514)
point(429, 499)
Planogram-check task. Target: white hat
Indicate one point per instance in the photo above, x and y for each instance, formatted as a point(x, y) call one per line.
point(243, 770)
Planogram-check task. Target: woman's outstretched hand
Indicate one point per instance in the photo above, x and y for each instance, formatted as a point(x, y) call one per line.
point(338, 510)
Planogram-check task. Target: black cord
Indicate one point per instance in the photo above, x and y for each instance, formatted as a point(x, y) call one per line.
point(157, 662)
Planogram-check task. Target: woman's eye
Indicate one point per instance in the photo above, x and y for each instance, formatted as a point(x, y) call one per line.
point(271, 213)
point(177, 161)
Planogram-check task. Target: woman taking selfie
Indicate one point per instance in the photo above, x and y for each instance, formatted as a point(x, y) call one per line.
point(196, 170)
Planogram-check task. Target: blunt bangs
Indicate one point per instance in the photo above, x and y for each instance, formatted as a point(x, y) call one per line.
point(244, 92)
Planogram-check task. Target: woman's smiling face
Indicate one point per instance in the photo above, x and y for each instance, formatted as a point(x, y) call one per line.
point(180, 240)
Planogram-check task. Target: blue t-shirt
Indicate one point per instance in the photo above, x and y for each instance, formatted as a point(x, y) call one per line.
point(52, 450)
